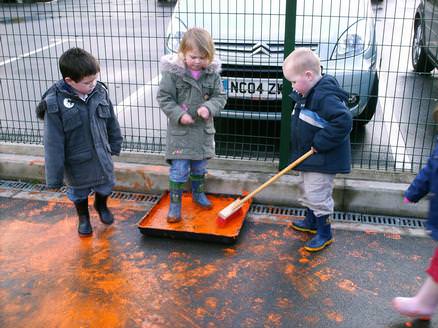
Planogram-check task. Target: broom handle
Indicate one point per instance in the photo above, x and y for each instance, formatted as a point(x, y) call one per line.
point(275, 177)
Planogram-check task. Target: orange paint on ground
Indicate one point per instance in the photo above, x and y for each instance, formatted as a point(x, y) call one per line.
point(303, 252)
point(290, 268)
point(195, 219)
point(211, 302)
point(328, 302)
point(283, 302)
point(201, 312)
point(232, 274)
point(311, 320)
point(230, 251)
point(304, 260)
point(394, 236)
point(273, 319)
point(347, 285)
point(334, 316)
point(325, 274)
point(357, 253)
point(304, 283)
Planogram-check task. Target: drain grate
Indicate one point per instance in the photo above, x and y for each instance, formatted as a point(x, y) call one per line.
point(256, 209)
point(406, 222)
point(120, 195)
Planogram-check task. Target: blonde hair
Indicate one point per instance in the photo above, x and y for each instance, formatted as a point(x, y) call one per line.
point(301, 60)
point(200, 39)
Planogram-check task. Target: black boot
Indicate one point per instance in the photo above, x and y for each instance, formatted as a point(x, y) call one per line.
point(84, 227)
point(100, 205)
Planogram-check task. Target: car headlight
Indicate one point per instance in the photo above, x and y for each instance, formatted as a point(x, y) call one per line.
point(354, 41)
point(175, 33)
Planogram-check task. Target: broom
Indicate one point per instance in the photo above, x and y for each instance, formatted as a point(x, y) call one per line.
point(235, 206)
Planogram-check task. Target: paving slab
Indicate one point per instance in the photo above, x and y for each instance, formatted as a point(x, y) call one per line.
point(49, 277)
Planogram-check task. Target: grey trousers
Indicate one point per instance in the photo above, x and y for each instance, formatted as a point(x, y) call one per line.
point(317, 192)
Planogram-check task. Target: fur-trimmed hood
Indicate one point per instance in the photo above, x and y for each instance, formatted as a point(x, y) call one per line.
point(173, 63)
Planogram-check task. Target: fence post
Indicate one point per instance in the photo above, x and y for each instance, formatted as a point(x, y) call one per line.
point(286, 102)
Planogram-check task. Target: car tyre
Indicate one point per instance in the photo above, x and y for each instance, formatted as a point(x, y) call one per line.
point(420, 61)
point(370, 109)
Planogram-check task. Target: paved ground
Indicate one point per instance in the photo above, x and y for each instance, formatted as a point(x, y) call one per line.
point(119, 278)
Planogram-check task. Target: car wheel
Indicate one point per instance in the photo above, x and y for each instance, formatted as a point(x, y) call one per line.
point(370, 109)
point(420, 61)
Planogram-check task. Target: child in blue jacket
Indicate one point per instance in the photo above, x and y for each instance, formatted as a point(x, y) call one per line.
point(320, 121)
point(425, 303)
point(81, 133)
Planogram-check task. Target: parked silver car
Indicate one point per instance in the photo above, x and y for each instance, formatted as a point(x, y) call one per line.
point(249, 39)
point(425, 40)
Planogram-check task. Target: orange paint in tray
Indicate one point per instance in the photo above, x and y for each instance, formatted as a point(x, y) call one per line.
point(197, 222)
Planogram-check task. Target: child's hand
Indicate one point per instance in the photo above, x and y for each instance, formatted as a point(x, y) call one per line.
point(406, 200)
point(186, 119)
point(203, 112)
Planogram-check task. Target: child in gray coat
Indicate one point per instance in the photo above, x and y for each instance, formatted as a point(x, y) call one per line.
point(81, 133)
point(190, 94)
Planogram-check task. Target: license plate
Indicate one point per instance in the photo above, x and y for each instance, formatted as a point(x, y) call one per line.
point(252, 88)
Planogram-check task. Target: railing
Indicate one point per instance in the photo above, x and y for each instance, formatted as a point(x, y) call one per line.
point(391, 100)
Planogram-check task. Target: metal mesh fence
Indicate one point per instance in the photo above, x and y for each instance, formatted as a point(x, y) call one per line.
point(383, 53)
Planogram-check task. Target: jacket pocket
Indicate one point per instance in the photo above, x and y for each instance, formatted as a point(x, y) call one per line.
point(103, 111)
point(71, 120)
point(207, 91)
point(182, 91)
point(81, 157)
point(209, 130)
point(315, 160)
point(178, 132)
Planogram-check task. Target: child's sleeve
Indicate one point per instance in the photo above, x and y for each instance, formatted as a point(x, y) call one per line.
point(115, 138)
point(53, 149)
point(217, 100)
point(339, 123)
point(421, 184)
point(166, 98)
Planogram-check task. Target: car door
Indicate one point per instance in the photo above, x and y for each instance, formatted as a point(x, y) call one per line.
point(431, 27)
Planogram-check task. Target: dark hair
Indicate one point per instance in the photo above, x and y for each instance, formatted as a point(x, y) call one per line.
point(76, 63)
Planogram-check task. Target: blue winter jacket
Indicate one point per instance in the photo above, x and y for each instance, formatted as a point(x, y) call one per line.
point(79, 136)
point(426, 182)
point(321, 120)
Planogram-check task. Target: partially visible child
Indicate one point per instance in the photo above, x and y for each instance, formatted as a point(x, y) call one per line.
point(425, 303)
point(81, 133)
point(322, 122)
point(190, 94)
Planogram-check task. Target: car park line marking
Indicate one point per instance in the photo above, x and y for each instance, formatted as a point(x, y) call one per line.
point(396, 140)
point(135, 96)
point(11, 60)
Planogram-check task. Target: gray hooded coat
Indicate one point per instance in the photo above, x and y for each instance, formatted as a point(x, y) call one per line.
point(180, 93)
point(79, 136)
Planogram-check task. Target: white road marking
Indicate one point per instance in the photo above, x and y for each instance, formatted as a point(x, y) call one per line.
point(134, 97)
point(396, 141)
point(58, 42)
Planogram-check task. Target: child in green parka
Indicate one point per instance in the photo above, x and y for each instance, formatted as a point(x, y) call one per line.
point(190, 94)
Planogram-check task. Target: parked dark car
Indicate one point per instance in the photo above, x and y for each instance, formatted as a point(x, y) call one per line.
point(425, 40)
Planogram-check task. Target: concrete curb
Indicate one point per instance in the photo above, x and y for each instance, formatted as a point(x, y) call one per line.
point(361, 192)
